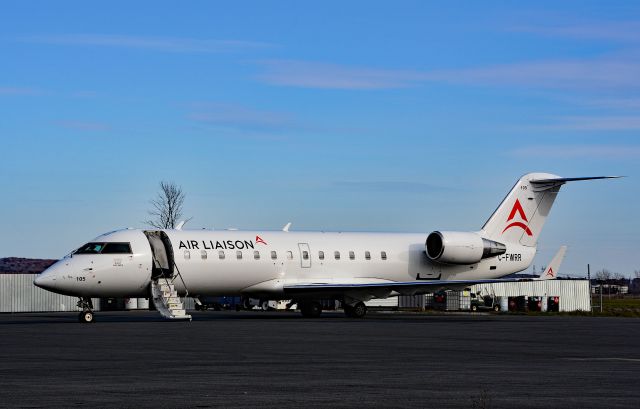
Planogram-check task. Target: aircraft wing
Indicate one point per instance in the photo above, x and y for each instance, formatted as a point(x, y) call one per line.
point(378, 288)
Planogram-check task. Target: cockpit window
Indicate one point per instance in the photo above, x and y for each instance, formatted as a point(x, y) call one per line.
point(104, 248)
point(116, 248)
point(90, 248)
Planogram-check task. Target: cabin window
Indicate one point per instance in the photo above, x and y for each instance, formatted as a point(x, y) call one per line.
point(256, 255)
point(383, 255)
point(336, 254)
point(239, 255)
point(187, 255)
point(203, 254)
point(352, 255)
point(305, 255)
point(116, 248)
point(367, 255)
point(274, 255)
point(289, 255)
point(221, 254)
point(321, 255)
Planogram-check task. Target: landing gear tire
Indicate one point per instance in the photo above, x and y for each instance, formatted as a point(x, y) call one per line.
point(246, 304)
point(474, 308)
point(86, 317)
point(358, 310)
point(310, 309)
point(264, 305)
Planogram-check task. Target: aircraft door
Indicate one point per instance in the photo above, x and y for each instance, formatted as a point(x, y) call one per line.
point(305, 255)
point(162, 253)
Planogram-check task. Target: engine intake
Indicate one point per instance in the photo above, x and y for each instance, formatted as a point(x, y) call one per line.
point(455, 247)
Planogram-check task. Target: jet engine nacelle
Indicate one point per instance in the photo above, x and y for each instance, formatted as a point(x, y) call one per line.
point(453, 247)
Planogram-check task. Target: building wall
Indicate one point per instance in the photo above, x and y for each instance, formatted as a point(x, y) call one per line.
point(574, 294)
point(18, 294)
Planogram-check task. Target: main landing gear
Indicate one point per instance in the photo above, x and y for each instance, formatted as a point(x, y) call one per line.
point(310, 309)
point(86, 305)
point(357, 310)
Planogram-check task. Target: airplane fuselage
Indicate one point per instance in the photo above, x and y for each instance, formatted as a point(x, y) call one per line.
point(263, 263)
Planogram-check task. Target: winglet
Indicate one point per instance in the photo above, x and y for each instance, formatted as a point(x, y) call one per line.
point(552, 269)
point(286, 227)
point(179, 226)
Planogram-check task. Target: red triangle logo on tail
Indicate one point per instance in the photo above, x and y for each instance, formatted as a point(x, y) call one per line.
point(517, 208)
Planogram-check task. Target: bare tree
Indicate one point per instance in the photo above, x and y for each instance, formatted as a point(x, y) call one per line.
point(167, 206)
point(619, 277)
point(603, 275)
point(636, 273)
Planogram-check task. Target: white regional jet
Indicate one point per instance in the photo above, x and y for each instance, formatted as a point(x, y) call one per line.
point(305, 266)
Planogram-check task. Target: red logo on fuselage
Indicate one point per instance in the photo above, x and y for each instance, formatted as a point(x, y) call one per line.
point(259, 240)
point(517, 208)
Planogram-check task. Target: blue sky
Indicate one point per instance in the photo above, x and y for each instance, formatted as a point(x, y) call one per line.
point(368, 116)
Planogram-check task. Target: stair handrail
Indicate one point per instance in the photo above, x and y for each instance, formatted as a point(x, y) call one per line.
point(186, 290)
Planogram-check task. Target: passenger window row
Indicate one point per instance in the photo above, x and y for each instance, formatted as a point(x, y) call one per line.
point(274, 255)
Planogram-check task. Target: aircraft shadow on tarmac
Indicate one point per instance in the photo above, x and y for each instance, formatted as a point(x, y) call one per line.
point(212, 316)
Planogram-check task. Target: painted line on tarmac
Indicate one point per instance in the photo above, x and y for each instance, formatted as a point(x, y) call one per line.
point(609, 359)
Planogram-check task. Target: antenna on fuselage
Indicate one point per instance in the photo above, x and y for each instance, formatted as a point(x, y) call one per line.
point(182, 223)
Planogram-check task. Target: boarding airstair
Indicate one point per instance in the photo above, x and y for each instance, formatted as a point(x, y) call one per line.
point(165, 298)
point(165, 271)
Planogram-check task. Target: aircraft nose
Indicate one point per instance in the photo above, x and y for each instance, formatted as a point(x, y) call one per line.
point(45, 280)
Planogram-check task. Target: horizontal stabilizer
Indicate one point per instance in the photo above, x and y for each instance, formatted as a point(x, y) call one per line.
point(541, 185)
point(565, 180)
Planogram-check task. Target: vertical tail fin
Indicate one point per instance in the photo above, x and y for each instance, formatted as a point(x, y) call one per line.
point(522, 214)
point(553, 268)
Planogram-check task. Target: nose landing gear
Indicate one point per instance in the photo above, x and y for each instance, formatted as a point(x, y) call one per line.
point(86, 305)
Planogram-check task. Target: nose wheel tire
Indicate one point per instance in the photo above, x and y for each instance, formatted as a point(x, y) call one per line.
point(86, 306)
point(86, 317)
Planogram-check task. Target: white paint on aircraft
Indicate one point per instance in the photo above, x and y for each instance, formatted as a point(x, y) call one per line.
point(307, 266)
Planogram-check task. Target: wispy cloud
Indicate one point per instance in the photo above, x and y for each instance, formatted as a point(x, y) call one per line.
point(84, 126)
point(583, 74)
point(19, 91)
point(630, 104)
point(167, 44)
point(580, 151)
point(237, 116)
point(599, 73)
point(597, 123)
point(310, 74)
point(389, 186)
point(619, 31)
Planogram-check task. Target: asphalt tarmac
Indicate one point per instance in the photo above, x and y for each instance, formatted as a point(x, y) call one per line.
point(255, 359)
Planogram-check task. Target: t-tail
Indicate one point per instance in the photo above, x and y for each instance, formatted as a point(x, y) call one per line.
point(521, 216)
